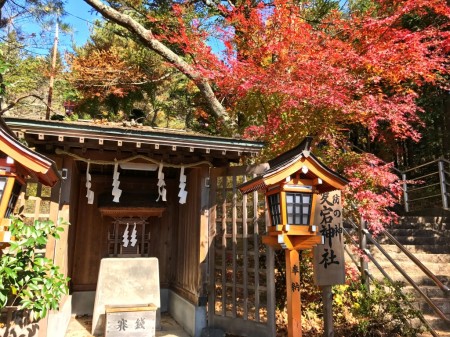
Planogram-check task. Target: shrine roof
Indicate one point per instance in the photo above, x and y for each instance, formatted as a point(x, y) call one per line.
point(136, 136)
point(26, 161)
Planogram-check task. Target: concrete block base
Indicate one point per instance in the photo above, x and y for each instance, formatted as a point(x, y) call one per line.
point(83, 303)
point(59, 321)
point(192, 318)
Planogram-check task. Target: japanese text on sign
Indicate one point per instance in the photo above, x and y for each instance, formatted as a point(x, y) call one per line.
point(131, 323)
point(329, 257)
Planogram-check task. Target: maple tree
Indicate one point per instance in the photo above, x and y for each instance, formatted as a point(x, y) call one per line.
point(118, 13)
point(104, 72)
point(118, 78)
point(287, 71)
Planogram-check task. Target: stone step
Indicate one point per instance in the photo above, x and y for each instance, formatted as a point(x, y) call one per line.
point(441, 327)
point(430, 290)
point(441, 269)
point(425, 219)
point(415, 274)
point(418, 240)
point(442, 303)
point(430, 248)
point(400, 256)
point(418, 232)
point(440, 226)
point(428, 239)
point(420, 228)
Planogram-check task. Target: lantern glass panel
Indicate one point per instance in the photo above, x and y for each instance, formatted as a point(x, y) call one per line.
point(298, 208)
point(275, 208)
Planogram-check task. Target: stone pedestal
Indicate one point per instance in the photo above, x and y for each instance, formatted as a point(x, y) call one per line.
point(126, 282)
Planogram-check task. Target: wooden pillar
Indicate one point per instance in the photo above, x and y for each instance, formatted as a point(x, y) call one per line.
point(327, 297)
point(293, 293)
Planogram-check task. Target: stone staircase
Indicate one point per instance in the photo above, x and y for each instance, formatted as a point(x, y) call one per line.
point(428, 238)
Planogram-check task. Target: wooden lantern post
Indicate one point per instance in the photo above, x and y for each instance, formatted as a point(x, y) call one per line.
point(292, 185)
point(294, 301)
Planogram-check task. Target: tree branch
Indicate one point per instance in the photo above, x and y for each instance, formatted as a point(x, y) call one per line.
point(13, 104)
point(147, 37)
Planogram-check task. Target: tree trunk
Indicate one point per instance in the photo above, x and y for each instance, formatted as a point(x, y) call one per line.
point(2, 83)
point(147, 38)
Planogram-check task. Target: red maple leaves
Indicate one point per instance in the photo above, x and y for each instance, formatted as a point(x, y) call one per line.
point(291, 77)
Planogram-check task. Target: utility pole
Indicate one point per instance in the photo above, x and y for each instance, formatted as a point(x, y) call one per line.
point(52, 73)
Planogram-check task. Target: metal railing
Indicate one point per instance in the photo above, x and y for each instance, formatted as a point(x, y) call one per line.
point(427, 185)
point(364, 238)
point(424, 186)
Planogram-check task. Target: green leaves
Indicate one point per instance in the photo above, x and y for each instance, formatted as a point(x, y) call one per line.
point(27, 278)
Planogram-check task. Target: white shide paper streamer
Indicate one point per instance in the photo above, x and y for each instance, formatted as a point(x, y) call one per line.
point(125, 240)
point(183, 193)
point(116, 191)
point(89, 193)
point(161, 183)
point(133, 238)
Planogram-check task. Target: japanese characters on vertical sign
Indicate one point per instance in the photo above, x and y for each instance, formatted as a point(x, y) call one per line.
point(329, 264)
point(295, 285)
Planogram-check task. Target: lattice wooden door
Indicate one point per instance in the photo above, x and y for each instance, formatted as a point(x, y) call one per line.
point(242, 286)
point(39, 202)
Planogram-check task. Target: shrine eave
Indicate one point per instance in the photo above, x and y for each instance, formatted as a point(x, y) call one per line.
point(132, 136)
point(26, 160)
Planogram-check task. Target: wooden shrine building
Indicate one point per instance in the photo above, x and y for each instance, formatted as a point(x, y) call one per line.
point(176, 194)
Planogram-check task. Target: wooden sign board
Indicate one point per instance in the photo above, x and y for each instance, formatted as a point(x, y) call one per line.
point(328, 259)
point(130, 321)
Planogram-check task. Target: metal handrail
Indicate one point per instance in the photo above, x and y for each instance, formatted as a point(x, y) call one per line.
point(441, 172)
point(407, 277)
point(426, 164)
point(443, 183)
point(425, 176)
point(419, 264)
point(422, 187)
point(381, 269)
point(427, 197)
point(424, 269)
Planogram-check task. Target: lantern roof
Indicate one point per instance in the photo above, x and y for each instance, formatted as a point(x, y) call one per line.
point(26, 161)
point(301, 161)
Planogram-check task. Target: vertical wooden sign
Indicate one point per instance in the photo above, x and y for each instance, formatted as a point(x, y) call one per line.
point(328, 259)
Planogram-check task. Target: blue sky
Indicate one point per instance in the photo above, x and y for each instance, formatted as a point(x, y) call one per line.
point(39, 38)
point(80, 16)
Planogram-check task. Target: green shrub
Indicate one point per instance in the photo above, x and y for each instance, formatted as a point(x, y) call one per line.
point(383, 311)
point(28, 279)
